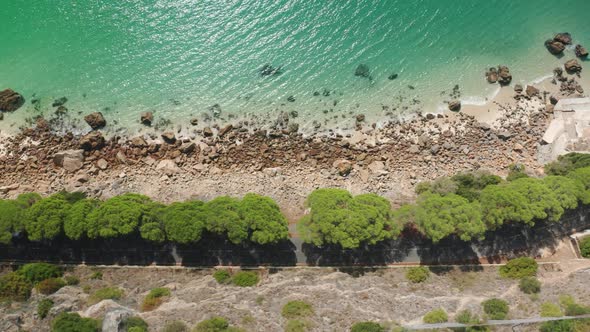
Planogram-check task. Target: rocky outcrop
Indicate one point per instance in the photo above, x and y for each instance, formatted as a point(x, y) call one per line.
point(92, 141)
point(554, 47)
point(147, 118)
point(10, 101)
point(581, 51)
point(563, 37)
point(455, 105)
point(573, 66)
point(504, 76)
point(95, 120)
point(70, 160)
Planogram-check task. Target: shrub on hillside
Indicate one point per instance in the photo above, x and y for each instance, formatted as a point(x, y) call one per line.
point(14, 286)
point(72, 280)
point(585, 247)
point(417, 274)
point(43, 307)
point(245, 279)
point(519, 268)
point(567, 163)
point(367, 327)
point(496, 309)
point(215, 324)
point(36, 272)
point(297, 309)
point(576, 309)
point(550, 310)
point(50, 286)
point(154, 298)
point(175, 326)
point(466, 317)
point(529, 285)
point(68, 322)
point(107, 293)
point(136, 324)
point(222, 276)
point(436, 316)
point(296, 325)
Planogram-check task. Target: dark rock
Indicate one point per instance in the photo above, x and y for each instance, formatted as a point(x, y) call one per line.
point(531, 91)
point(518, 88)
point(1, 116)
point(554, 46)
point(291, 99)
point(564, 38)
point(553, 100)
point(225, 130)
point(392, 77)
point(61, 110)
point(207, 132)
point(194, 121)
point(147, 118)
point(10, 101)
point(581, 51)
point(362, 71)
point(360, 118)
point(504, 75)
point(268, 70)
point(59, 102)
point(294, 114)
point(169, 137)
point(492, 75)
point(92, 141)
point(504, 135)
point(455, 105)
point(573, 66)
point(558, 72)
point(95, 120)
point(188, 147)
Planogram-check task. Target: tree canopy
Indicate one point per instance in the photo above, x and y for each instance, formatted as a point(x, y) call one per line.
point(264, 219)
point(184, 222)
point(45, 218)
point(120, 215)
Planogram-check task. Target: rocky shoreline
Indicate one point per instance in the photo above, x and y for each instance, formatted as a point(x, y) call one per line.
point(283, 163)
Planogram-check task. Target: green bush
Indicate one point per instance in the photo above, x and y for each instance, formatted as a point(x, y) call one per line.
point(96, 275)
point(43, 307)
point(575, 309)
point(222, 276)
point(466, 317)
point(417, 274)
point(550, 310)
point(50, 286)
point(367, 327)
point(175, 326)
point(297, 309)
point(72, 280)
point(529, 285)
point(136, 324)
point(496, 309)
point(245, 279)
point(567, 163)
point(519, 268)
point(296, 325)
point(436, 316)
point(558, 326)
point(14, 286)
point(338, 218)
point(36, 272)
point(70, 322)
point(215, 324)
point(154, 298)
point(585, 247)
point(107, 293)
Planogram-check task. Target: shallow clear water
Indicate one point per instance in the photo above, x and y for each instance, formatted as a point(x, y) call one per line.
point(177, 58)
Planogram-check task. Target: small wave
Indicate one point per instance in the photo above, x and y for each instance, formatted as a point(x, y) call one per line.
point(479, 100)
point(541, 79)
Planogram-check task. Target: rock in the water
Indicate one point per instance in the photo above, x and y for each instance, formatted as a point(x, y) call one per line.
point(564, 38)
point(581, 51)
point(61, 110)
point(92, 141)
point(531, 91)
point(268, 70)
point(455, 105)
point(393, 77)
point(360, 118)
point(207, 132)
point(59, 102)
point(291, 99)
point(70, 160)
point(492, 75)
point(95, 120)
point(518, 88)
point(10, 101)
point(504, 75)
point(215, 110)
point(554, 46)
point(147, 118)
point(194, 122)
point(362, 71)
point(169, 137)
point(573, 66)
point(344, 167)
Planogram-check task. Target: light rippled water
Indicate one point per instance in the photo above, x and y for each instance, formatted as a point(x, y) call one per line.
point(177, 58)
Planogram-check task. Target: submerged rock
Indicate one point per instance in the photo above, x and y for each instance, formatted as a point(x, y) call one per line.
point(10, 100)
point(362, 71)
point(573, 66)
point(581, 51)
point(147, 118)
point(268, 70)
point(95, 120)
point(392, 77)
point(215, 110)
point(59, 102)
point(554, 46)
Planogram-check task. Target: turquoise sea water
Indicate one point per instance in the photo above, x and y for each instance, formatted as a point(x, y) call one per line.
point(178, 57)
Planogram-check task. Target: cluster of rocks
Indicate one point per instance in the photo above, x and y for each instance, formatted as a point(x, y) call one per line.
point(558, 44)
point(500, 75)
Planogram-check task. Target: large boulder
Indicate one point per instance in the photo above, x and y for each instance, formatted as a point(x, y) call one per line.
point(563, 37)
point(492, 75)
point(573, 66)
point(344, 167)
point(147, 118)
point(95, 120)
point(10, 101)
point(554, 46)
point(169, 137)
point(581, 51)
point(113, 320)
point(455, 105)
point(504, 75)
point(531, 91)
point(168, 167)
point(92, 141)
point(70, 160)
